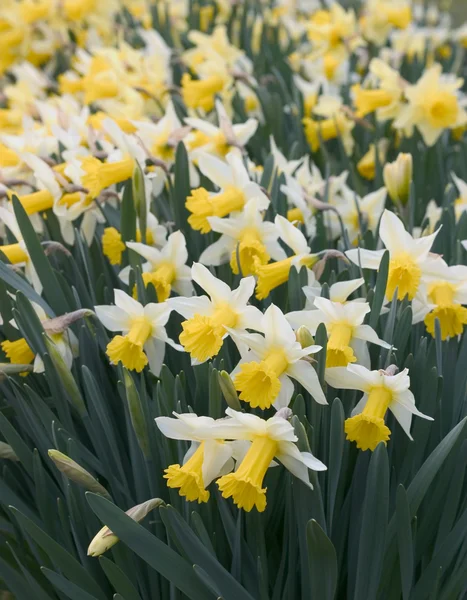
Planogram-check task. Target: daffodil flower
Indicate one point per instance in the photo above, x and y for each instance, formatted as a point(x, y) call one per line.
point(408, 256)
point(383, 391)
point(166, 269)
point(211, 319)
point(269, 363)
point(347, 335)
point(207, 458)
point(441, 296)
point(219, 141)
point(274, 274)
point(143, 336)
point(236, 189)
point(244, 234)
point(272, 438)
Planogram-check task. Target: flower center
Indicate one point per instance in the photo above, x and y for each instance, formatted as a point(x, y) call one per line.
point(128, 349)
point(367, 101)
point(202, 336)
point(99, 176)
point(161, 278)
point(112, 245)
point(201, 93)
point(338, 352)
point(274, 274)
point(451, 315)
point(8, 157)
point(202, 206)
point(251, 251)
point(161, 147)
point(326, 129)
point(368, 428)
point(245, 485)
point(14, 253)
point(189, 477)
point(441, 109)
point(37, 201)
point(221, 145)
point(404, 274)
point(258, 382)
point(18, 352)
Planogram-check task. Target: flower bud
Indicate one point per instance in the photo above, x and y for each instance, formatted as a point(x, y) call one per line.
point(304, 337)
point(6, 451)
point(398, 177)
point(105, 539)
point(139, 199)
point(229, 391)
point(76, 473)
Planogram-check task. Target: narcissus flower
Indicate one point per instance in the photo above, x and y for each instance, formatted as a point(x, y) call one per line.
point(143, 336)
point(270, 362)
point(210, 320)
point(441, 296)
point(433, 105)
point(347, 335)
point(274, 438)
point(383, 391)
point(235, 185)
point(408, 256)
point(207, 458)
point(274, 274)
point(245, 237)
point(398, 177)
point(166, 269)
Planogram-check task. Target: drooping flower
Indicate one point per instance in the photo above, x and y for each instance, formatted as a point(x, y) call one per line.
point(210, 319)
point(207, 458)
point(383, 391)
point(269, 363)
point(274, 438)
point(143, 336)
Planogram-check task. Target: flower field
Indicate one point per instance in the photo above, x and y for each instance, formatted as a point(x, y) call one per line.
point(233, 290)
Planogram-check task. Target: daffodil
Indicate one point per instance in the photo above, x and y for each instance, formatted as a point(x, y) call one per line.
point(460, 204)
point(143, 336)
point(236, 188)
point(398, 177)
point(408, 256)
point(274, 274)
point(333, 123)
point(366, 166)
point(246, 237)
point(166, 269)
point(208, 457)
point(383, 391)
point(269, 362)
point(433, 105)
point(347, 334)
point(271, 438)
point(441, 296)
point(211, 319)
point(221, 140)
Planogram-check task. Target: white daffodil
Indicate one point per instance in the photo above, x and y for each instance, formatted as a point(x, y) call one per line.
point(166, 269)
point(207, 458)
point(338, 292)
point(236, 188)
point(356, 213)
point(408, 256)
point(274, 274)
point(17, 253)
point(460, 204)
point(441, 296)
point(383, 391)
point(211, 319)
point(274, 438)
point(143, 336)
point(245, 236)
point(269, 362)
point(219, 141)
point(347, 335)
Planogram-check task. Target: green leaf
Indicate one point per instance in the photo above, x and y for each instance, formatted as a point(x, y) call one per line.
point(380, 290)
point(18, 284)
point(52, 289)
point(72, 591)
point(135, 409)
point(322, 562)
point(373, 527)
point(157, 554)
point(404, 541)
point(119, 580)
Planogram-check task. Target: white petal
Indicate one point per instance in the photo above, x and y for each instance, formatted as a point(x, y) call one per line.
point(303, 372)
point(340, 291)
point(366, 259)
point(216, 454)
point(285, 393)
point(393, 233)
point(188, 307)
point(367, 333)
point(277, 329)
point(243, 293)
point(219, 252)
point(113, 318)
point(292, 236)
point(151, 254)
point(131, 306)
point(217, 289)
point(216, 170)
point(155, 351)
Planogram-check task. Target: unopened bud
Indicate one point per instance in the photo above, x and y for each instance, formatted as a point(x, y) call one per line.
point(105, 539)
point(76, 473)
point(398, 177)
point(304, 337)
point(139, 199)
point(6, 451)
point(229, 391)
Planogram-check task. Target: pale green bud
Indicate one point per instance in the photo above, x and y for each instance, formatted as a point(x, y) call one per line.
point(229, 391)
point(398, 177)
point(76, 473)
point(304, 337)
